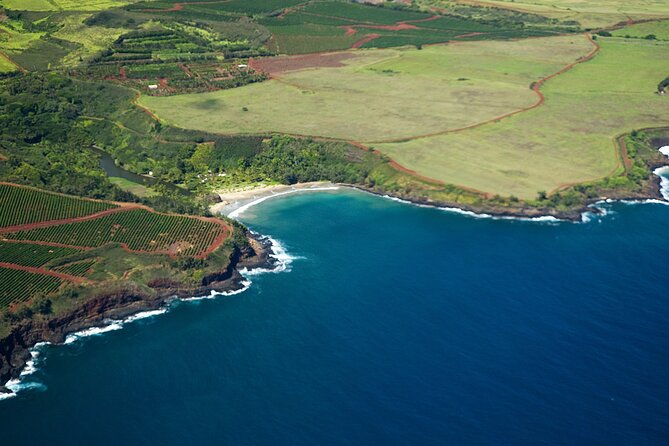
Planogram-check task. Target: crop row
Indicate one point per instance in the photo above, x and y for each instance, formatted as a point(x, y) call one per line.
point(77, 268)
point(19, 286)
point(28, 254)
point(20, 205)
point(139, 229)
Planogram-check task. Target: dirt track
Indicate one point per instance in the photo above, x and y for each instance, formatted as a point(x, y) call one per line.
point(122, 207)
point(42, 271)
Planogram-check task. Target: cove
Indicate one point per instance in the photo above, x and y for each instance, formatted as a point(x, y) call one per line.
point(394, 324)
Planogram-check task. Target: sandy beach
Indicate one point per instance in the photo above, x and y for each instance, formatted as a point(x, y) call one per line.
point(235, 199)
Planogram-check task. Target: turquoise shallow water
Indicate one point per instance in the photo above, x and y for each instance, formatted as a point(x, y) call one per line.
point(395, 325)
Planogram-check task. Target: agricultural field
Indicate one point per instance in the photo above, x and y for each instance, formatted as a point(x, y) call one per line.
point(327, 26)
point(380, 94)
point(570, 139)
point(48, 253)
point(20, 286)
point(92, 39)
point(388, 100)
point(62, 5)
point(33, 255)
point(591, 14)
point(79, 268)
point(37, 206)
point(138, 229)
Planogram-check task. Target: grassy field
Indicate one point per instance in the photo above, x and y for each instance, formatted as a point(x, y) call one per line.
point(138, 189)
point(6, 66)
point(658, 29)
point(91, 38)
point(600, 13)
point(569, 139)
point(62, 5)
point(383, 94)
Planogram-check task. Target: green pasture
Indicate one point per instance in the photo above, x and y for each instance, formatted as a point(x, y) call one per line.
point(591, 14)
point(138, 189)
point(382, 94)
point(92, 39)
point(570, 139)
point(658, 29)
point(6, 66)
point(62, 5)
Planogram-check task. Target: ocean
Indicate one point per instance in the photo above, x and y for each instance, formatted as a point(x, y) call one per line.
point(390, 324)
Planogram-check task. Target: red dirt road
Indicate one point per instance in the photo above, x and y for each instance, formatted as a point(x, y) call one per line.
point(366, 39)
point(42, 271)
point(46, 224)
point(536, 88)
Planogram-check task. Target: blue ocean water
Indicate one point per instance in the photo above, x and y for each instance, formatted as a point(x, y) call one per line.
point(396, 325)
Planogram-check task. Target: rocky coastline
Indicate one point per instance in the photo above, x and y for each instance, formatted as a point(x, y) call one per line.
point(126, 300)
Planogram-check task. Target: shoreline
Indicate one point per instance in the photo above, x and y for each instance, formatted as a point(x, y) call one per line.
point(236, 203)
point(232, 201)
point(655, 188)
point(111, 311)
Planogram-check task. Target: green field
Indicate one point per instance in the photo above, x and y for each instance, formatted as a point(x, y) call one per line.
point(91, 38)
point(569, 139)
point(62, 5)
point(79, 268)
point(6, 66)
point(383, 94)
point(658, 29)
point(21, 286)
point(139, 229)
point(322, 26)
point(597, 13)
point(39, 206)
point(402, 94)
point(28, 254)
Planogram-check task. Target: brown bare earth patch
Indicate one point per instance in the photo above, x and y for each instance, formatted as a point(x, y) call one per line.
point(281, 64)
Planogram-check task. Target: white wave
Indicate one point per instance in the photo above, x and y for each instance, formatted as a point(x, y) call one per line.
point(17, 385)
point(112, 325)
point(454, 210)
point(279, 253)
point(663, 173)
point(145, 314)
point(240, 210)
point(664, 150)
point(246, 284)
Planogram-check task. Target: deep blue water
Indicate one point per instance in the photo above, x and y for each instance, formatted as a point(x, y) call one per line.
point(396, 325)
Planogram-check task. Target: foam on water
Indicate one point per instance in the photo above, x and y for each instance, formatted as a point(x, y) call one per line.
point(663, 173)
point(283, 260)
point(454, 210)
point(282, 263)
point(214, 294)
point(16, 385)
point(664, 150)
